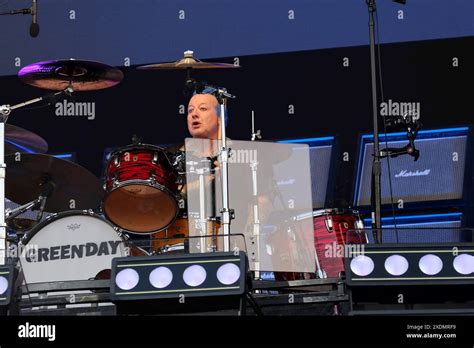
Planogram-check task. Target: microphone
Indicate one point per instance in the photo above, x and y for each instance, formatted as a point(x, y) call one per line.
point(34, 27)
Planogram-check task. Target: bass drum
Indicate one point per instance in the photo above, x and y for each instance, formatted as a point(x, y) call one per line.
point(72, 245)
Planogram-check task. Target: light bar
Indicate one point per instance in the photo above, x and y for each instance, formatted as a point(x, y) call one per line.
point(6, 283)
point(175, 275)
point(417, 264)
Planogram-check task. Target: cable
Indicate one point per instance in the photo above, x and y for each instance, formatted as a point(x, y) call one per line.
point(385, 127)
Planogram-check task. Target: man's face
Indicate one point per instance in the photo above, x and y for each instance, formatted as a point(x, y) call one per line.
point(203, 121)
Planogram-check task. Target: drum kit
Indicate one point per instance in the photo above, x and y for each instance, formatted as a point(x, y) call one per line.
point(92, 222)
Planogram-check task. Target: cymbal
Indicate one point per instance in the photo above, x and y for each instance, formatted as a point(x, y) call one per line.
point(74, 186)
point(81, 75)
point(21, 140)
point(188, 62)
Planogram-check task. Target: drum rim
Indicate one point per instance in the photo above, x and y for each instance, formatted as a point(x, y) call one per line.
point(171, 247)
point(327, 212)
point(335, 211)
point(131, 147)
point(56, 216)
point(135, 182)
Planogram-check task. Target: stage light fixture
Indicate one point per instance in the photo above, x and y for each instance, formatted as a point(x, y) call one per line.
point(228, 273)
point(464, 264)
point(6, 283)
point(175, 283)
point(362, 265)
point(127, 279)
point(411, 278)
point(414, 263)
point(396, 265)
point(161, 277)
point(430, 264)
point(194, 275)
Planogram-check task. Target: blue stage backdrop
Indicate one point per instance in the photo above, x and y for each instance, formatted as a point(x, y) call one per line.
point(144, 31)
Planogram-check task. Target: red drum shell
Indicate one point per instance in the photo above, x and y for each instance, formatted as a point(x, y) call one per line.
point(141, 189)
point(333, 229)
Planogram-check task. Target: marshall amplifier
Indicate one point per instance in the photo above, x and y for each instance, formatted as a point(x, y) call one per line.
point(437, 178)
point(320, 155)
point(427, 228)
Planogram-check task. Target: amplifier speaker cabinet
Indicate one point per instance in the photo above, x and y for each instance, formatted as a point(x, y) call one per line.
point(438, 178)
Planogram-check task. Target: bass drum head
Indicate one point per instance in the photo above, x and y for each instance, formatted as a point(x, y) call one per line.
point(74, 245)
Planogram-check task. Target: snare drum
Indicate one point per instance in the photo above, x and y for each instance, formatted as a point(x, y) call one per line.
point(141, 189)
point(175, 239)
point(72, 245)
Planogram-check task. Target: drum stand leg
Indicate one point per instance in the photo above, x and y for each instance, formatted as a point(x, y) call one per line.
point(202, 210)
point(3, 230)
point(256, 223)
point(242, 306)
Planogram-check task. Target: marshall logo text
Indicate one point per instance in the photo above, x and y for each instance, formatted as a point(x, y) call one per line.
point(405, 173)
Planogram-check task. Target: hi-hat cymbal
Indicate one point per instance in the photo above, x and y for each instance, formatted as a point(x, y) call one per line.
point(188, 62)
point(81, 75)
point(21, 140)
point(74, 186)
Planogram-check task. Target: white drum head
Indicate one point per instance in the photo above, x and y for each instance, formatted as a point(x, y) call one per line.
point(70, 247)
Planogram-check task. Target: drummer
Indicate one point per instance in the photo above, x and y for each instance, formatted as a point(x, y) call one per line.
point(203, 120)
point(204, 117)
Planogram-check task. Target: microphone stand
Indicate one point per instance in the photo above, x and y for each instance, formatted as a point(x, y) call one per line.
point(376, 196)
point(227, 213)
point(409, 149)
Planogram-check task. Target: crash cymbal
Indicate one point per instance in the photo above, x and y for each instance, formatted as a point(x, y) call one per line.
point(74, 186)
point(81, 75)
point(21, 140)
point(188, 62)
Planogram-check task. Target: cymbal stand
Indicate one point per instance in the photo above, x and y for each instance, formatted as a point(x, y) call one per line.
point(5, 111)
point(227, 213)
point(255, 239)
point(11, 214)
point(202, 221)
